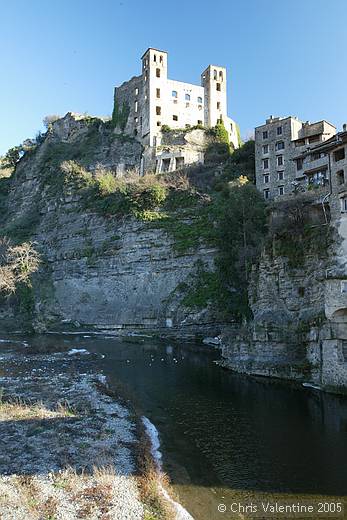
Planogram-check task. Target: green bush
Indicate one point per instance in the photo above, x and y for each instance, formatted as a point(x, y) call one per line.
point(106, 183)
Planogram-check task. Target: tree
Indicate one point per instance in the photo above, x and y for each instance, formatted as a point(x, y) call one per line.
point(218, 151)
point(17, 263)
point(12, 157)
point(241, 229)
point(241, 162)
point(221, 133)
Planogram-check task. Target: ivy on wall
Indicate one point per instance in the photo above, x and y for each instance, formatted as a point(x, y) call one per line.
point(120, 114)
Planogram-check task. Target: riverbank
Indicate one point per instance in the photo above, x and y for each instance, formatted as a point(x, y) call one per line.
point(70, 448)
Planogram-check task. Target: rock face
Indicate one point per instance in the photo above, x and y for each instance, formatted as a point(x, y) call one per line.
point(104, 274)
point(299, 330)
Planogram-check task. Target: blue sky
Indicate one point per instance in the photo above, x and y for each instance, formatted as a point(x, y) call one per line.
point(283, 57)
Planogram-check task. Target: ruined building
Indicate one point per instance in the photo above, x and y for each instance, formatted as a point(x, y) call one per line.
point(148, 103)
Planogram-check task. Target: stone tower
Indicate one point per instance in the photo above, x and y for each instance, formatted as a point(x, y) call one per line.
point(154, 74)
point(214, 81)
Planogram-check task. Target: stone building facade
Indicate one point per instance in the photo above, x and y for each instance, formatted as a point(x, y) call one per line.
point(151, 101)
point(279, 145)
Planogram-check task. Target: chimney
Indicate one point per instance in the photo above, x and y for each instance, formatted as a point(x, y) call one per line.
point(344, 127)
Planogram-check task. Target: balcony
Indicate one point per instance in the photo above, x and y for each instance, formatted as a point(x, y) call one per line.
point(317, 164)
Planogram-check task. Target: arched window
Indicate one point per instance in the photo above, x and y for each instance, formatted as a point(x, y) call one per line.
point(187, 97)
point(199, 99)
point(214, 74)
point(174, 93)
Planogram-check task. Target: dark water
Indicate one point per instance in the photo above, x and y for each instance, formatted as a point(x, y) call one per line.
point(224, 435)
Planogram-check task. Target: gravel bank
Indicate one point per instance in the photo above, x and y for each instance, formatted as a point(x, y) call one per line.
point(68, 450)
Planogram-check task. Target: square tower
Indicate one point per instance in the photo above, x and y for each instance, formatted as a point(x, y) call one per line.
point(214, 81)
point(154, 74)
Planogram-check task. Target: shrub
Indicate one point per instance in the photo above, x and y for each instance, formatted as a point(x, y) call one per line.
point(75, 175)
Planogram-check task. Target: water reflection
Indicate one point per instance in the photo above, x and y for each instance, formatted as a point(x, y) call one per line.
point(225, 434)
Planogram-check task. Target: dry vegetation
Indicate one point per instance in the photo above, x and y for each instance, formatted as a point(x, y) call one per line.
point(17, 263)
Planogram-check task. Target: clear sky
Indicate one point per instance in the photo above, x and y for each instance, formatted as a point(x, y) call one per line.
point(284, 57)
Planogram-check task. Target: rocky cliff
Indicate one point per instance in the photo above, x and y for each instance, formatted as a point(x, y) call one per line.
point(299, 307)
point(99, 272)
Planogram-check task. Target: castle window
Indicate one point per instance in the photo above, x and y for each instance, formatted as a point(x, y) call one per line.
point(140, 120)
point(339, 154)
point(299, 164)
point(136, 106)
point(266, 194)
point(158, 111)
point(218, 105)
point(280, 176)
point(279, 130)
point(340, 175)
point(218, 87)
point(231, 127)
point(146, 76)
point(187, 105)
point(161, 59)
point(158, 92)
point(199, 122)
point(215, 74)
point(280, 190)
point(280, 160)
point(299, 142)
point(157, 73)
point(265, 164)
point(136, 119)
point(279, 145)
point(221, 75)
point(199, 99)
point(265, 134)
point(344, 287)
point(175, 118)
point(155, 57)
point(165, 165)
point(200, 107)
point(179, 162)
point(313, 139)
point(344, 205)
point(187, 97)
point(266, 178)
point(265, 149)
point(174, 93)
point(136, 92)
point(158, 123)
point(135, 132)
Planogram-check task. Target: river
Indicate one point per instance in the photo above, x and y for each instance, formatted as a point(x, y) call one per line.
point(225, 437)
